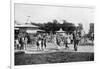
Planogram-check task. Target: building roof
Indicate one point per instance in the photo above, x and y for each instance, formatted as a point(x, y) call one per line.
point(26, 25)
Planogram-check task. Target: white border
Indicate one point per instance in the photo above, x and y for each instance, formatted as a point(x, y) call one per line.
point(12, 36)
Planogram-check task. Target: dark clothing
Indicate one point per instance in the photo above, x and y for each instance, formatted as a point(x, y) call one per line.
point(37, 43)
point(45, 42)
point(57, 41)
point(71, 41)
point(66, 45)
point(75, 41)
point(21, 43)
point(42, 42)
point(29, 40)
point(66, 42)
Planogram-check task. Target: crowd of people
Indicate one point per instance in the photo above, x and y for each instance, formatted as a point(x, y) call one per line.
point(41, 40)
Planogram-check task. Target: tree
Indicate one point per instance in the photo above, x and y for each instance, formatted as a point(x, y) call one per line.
point(91, 28)
point(55, 26)
point(51, 26)
point(68, 27)
point(91, 31)
point(79, 29)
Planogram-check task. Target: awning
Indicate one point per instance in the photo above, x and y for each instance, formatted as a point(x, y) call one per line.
point(33, 31)
point(60, 31)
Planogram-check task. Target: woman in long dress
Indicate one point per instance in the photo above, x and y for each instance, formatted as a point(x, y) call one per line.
point(26, 40)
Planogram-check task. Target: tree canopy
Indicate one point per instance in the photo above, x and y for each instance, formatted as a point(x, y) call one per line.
point(55, 26)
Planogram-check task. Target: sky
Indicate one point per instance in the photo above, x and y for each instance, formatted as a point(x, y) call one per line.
point(45, 13)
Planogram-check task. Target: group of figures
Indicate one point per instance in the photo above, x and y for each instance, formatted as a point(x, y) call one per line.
point(21, 42)
point(42, 40)
point(73, 38)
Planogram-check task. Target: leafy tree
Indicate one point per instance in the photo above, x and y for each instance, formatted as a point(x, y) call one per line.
point(91, 31)
point(55, 26)
point(68, 27)
point(79, 29)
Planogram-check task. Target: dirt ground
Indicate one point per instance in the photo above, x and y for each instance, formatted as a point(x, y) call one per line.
point(55, 57)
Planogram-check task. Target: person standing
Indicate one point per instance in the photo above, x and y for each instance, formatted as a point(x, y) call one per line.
point(16, 43)
point(21, 41)
point(71, 38)
point(42, 42)
point(75, 41)
point(57, 42)
point(37, 44)
point(26, 41)
point(45, 42)
point(66, 42)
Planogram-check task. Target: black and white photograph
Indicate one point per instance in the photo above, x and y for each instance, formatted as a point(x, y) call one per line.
point(48, 34)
